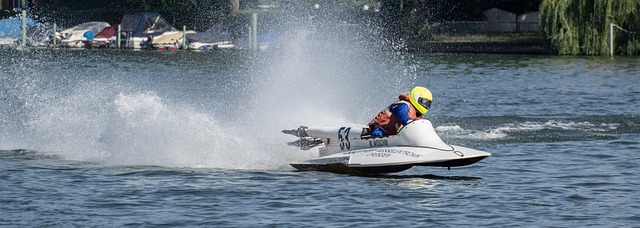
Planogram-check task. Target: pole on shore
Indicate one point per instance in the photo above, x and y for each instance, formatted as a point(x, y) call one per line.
point(24, 28)
point(611, 40)
point(250, 37)
point(254, 31)
point(184, 37)
point(55, 36)
point(119, 40)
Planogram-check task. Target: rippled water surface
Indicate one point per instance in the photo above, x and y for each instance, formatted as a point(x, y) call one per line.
point(113, 138)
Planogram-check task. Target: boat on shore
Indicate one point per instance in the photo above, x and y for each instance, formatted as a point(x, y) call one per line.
point(216, 37)
point(105, 38)
point(171, 40)
point(140, 29)
point(11, 30)
point(76, 36)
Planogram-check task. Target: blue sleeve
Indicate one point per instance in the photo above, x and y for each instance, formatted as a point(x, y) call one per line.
point(401, 110)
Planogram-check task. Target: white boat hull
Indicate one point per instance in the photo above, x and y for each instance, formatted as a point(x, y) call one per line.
point(416, 145)
point(391, 159)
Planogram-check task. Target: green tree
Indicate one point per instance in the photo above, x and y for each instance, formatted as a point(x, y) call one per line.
point(581, 27)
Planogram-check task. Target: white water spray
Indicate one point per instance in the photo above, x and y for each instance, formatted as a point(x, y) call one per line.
point(106, 118)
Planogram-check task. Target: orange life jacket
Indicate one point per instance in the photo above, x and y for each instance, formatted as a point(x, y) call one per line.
point(388, 121)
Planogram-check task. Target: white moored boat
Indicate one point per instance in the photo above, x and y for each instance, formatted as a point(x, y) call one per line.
point(349, 149)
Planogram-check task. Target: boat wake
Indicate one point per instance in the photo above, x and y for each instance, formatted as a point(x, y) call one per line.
point(508, 129)
point(136, 128)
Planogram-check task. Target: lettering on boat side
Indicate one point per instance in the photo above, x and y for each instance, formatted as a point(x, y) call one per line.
point(379, 155)
point(378, 142)
point(403, 152)
point(388, 151)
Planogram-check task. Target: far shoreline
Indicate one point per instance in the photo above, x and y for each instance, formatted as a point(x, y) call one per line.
point(508, 43)
point(478, 47)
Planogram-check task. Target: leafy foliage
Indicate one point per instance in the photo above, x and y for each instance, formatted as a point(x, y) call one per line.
point(581, 27)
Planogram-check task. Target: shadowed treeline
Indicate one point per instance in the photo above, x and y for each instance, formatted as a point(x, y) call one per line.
point(398, 17)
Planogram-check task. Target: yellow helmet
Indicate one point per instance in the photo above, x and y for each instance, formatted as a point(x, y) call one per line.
point(421, 99)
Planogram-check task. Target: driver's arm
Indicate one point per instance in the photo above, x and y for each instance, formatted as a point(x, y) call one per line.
point(401, 110)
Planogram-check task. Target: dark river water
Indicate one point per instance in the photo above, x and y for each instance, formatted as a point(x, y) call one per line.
point(142, 138)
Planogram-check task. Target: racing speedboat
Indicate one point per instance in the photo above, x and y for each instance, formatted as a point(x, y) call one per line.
point(350, 149)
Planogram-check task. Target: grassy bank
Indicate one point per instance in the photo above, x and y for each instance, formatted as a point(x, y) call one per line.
point(505, 43)
point(502, 37)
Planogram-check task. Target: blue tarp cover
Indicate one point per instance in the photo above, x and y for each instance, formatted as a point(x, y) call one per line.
point(11, 27)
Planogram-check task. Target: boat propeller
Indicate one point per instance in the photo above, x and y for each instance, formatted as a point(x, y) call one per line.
point(300, 132)
point(305, 142)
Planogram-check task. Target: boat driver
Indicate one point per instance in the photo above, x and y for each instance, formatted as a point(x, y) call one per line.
point(408, 108)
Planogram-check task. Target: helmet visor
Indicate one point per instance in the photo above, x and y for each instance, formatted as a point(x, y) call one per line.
point(424, 102)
